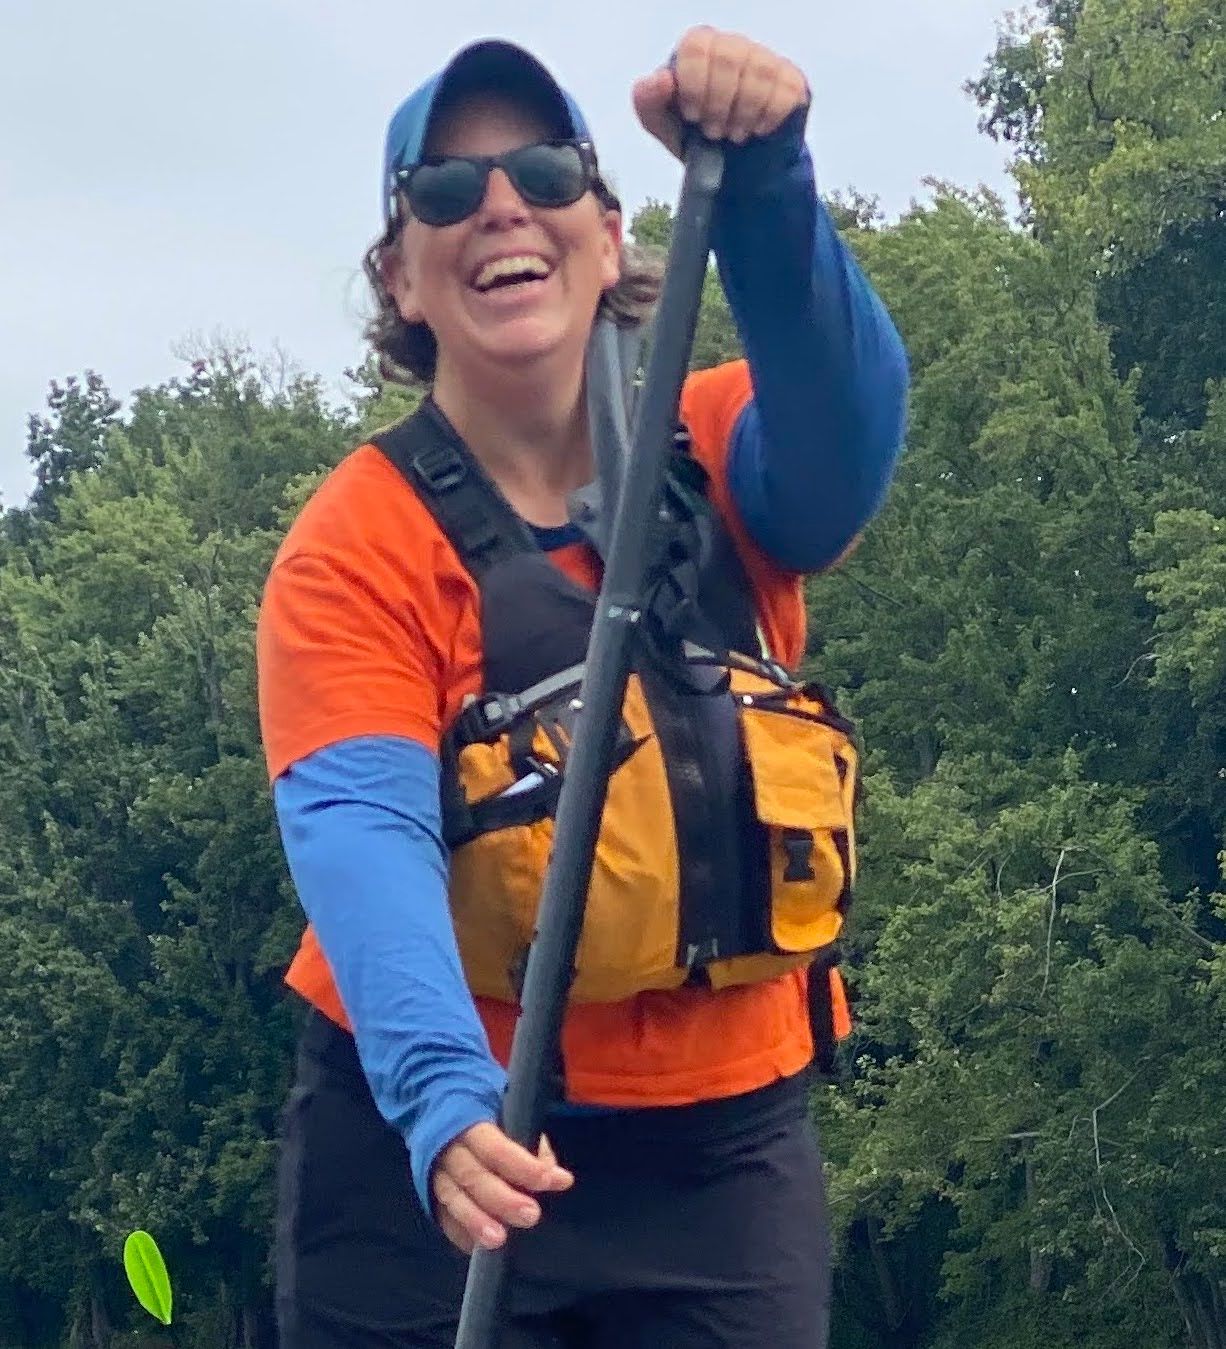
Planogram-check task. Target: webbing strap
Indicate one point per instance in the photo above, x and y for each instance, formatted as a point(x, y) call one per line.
point(469, 509)
point(490, 715)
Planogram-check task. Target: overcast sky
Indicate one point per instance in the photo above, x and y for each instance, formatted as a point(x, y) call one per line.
point(170, 169)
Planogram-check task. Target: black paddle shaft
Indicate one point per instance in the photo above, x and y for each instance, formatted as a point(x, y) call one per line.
point(589, 762)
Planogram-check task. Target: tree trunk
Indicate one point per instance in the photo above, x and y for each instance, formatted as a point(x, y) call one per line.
point(926, 750)
point(1201, 1303)
point(891, 1301)
point(99, 1323)
point(1207, 1337)
point(1040, 1263)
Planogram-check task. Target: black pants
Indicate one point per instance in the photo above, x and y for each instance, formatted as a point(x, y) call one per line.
point(699, 1226)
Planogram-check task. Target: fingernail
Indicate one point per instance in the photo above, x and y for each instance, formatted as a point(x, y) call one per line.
point(528, 1214)
point(491, 1236)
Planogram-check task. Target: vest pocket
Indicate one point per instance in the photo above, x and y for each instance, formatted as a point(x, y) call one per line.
point(500, 852)
point(802, 764)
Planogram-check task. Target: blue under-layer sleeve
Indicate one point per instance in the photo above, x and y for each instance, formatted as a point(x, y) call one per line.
point(813, 454)
point(361, 827)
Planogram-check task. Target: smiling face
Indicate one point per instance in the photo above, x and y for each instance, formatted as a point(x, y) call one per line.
point(513, 283)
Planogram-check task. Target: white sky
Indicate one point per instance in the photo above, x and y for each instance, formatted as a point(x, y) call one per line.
point(171, 169)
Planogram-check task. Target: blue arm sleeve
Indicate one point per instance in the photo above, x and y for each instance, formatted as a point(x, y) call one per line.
point(813, 453)
point(360, 822)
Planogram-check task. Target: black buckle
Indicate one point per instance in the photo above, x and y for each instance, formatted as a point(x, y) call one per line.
point(440, 468)
point(488, 717)
point(798, 847)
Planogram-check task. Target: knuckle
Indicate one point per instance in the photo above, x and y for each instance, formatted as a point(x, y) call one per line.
point(725, 59)
point(700, 37)
point(764, 67)
point(465, 1171)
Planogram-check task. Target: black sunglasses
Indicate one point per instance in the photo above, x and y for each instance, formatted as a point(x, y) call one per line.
point(445, 189)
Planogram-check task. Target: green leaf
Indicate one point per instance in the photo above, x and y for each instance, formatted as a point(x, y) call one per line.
point(147, 1274)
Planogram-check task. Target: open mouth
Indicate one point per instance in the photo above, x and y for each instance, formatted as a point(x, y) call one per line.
point(503, 274)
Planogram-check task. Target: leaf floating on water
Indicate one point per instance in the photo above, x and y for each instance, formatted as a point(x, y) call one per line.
point(146, 1271)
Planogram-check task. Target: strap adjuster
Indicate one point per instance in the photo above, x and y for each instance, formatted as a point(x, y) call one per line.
point(440, 468)
point(488, 717)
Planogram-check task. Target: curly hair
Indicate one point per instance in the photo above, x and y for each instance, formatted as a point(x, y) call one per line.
point(408, 353)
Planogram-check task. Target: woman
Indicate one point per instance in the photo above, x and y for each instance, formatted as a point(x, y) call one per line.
point(686, 1207)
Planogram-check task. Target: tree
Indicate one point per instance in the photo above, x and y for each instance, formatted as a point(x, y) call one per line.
point(72, 440)
point(1032, 931)
point(148, 911)
point(1116, 109)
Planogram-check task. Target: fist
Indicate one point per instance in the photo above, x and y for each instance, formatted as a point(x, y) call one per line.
point(731, 88)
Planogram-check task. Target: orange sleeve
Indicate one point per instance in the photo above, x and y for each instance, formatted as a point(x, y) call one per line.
point(356, 629)
point(711, 403)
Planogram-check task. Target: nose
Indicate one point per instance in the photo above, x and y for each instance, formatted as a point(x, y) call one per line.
point(502, 206)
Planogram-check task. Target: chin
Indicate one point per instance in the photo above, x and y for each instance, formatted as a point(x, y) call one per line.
point(532, 342)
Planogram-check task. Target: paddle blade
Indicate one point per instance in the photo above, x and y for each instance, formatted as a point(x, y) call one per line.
point(146, 1271)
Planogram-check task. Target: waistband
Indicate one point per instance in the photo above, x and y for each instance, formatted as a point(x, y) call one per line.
point(661, 1129)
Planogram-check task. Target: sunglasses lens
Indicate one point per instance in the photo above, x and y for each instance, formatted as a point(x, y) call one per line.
point(548, 175)
point(445, 192)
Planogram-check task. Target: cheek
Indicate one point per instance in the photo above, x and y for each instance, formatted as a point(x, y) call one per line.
point(600, 250)
point(425, 259)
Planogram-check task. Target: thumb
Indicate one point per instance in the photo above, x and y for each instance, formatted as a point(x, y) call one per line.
point(653, 97)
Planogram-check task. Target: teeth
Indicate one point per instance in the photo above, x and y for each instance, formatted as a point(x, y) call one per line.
point(526, 265)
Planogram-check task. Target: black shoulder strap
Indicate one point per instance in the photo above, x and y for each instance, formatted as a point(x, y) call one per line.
point(455, 489)
point(484, 530)
point(719, 587)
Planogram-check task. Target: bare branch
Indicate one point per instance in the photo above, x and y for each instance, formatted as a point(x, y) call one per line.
point(848, 575)
point(1144, 657)
point(1051, 921)
point(1098, 1163)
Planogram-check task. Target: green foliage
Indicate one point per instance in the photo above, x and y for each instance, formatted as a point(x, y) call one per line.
point(1028, 1123)
point(1117, 110)
point(1133, 130)
point(715, 337)
point(145, 917)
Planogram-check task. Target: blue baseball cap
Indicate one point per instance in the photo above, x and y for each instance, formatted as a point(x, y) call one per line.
point(489, 65)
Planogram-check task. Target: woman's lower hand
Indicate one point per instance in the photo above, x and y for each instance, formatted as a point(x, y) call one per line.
point(485, 1183)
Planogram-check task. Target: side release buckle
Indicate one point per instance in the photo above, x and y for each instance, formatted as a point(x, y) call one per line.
point(487, 718)
point(798, 849)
